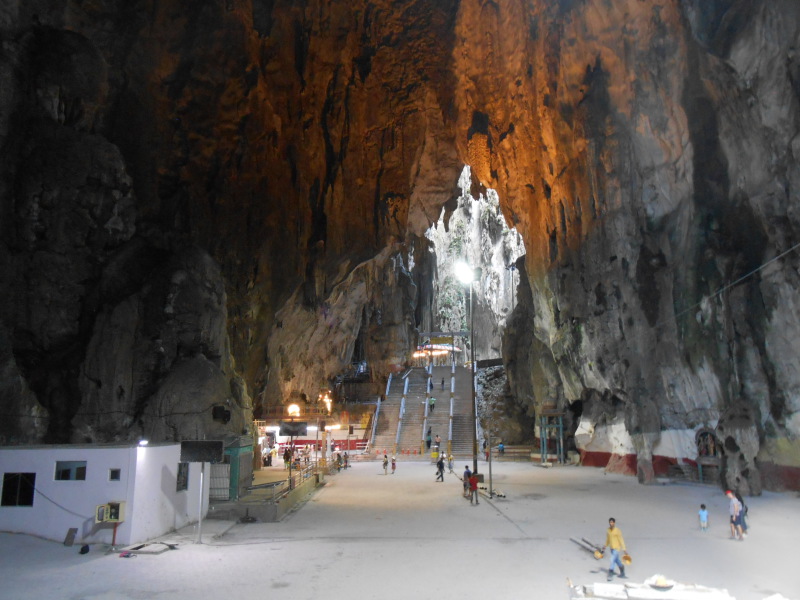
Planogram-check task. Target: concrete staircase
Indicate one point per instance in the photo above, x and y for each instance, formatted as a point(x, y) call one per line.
point(386, 429)
point(411, 435)
point(414, 423)
point(462, 414)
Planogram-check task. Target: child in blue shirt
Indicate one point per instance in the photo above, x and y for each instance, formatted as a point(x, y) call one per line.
point(703, 515)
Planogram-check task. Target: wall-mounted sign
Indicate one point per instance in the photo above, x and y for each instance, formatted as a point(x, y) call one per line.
point(294, 428)
point(205, 451)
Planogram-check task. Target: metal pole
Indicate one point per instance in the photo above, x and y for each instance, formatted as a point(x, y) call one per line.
point(473, 371)
point(491, 491)
point(200, 514)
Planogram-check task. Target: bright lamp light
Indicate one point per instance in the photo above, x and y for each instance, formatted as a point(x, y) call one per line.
point(464, 272)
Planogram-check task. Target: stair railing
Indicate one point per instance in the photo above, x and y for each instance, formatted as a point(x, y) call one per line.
point(450, 428)
point(424, 427)
point(452, 406)
point(377, 412)
point(400, 418)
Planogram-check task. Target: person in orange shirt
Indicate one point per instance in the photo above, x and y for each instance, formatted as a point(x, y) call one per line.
point(616, 543)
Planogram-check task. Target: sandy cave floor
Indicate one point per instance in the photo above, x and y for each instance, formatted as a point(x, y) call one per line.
point(407, 536)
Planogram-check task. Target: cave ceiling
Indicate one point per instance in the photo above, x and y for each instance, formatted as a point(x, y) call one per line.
point(213, 202)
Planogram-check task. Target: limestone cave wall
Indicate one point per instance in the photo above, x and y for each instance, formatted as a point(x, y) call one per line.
point(205, 203)
point(659, 175)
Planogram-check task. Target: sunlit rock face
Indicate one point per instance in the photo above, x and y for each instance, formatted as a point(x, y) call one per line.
point(474, 233)
point(659, 168)
point(288, 149)
point(276, 164)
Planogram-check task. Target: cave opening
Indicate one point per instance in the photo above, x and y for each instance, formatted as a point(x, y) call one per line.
point(472, 230)
point(573, 417)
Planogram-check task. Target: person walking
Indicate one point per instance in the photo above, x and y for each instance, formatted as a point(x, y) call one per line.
point(437, 441)
point(428, 438)
point(440, 469)
point(742, 514)
point(465, 480)
point(385, 464)
point(735, 510)
point(450, 463)
point(394, 464)
point(442, 383)
point(431, 404)
point(616, 543)
point(473, 488)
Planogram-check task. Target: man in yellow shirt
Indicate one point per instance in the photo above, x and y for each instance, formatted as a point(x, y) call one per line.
point(616, 544)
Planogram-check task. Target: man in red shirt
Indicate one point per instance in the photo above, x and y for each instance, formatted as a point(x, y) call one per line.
point(473, 488)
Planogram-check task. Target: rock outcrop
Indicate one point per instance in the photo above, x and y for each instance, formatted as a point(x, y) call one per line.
point(213, 203)
point(474, 232)
point(662, 181)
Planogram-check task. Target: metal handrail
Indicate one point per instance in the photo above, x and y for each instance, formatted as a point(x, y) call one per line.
point(276, 412)
point(375, 418)
point(399, 425)
point(280, 489)
point(400, 418)
point(450, 428)
point(424, 425)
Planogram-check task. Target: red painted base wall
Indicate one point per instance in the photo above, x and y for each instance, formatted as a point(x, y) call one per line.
point(778, 477)
point(773, 477)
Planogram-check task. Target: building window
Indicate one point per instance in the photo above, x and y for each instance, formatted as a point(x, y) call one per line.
point(18, 489)
point(183, 477)
point(114, 474)
point(70, 470)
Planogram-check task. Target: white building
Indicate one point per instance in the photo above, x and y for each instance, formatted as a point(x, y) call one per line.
point(47, 490)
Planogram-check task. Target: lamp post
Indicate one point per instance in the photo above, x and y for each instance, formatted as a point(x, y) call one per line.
point(294, 411)
point(466, 274)
point(325, 398)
